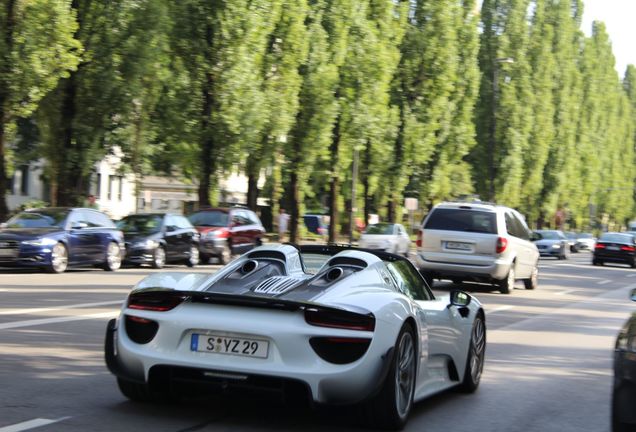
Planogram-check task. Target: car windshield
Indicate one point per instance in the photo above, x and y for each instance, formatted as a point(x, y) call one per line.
point(550, 235)
point(211, 218)
point(143, 224)
point(462, 220)
point(617, 238)
point(380, 228)
point(43, 218)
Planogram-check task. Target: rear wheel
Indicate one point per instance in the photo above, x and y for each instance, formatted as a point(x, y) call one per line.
point(476, 355)
point(193, 257)
point(226, 255)
point(59, 259)
point(507, 284)
point(597, 262)
point(113, 257)
point(619, 409)
point(391, 407)
point(159, 257)
point(139, 392)
point(533, 280)
point(428, 277)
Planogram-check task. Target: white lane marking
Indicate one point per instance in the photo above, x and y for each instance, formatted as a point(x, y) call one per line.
point(604, 282)
point(36, 322)
point(565, 292)
point(31, 424)
point(499, 309)
point(30, 311)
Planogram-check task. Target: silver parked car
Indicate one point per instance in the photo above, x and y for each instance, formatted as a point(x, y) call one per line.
point(552, 243)
point(476, 241)
point(388, 237)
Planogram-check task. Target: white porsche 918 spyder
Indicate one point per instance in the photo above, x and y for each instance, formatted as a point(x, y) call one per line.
point(340, 325)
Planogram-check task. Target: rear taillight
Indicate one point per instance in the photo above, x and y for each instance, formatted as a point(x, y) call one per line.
point(502, 244)
point(628, 248)
point(339, 319)
point(158, 301)
point(418, 242)
point(223, 233)
point(599, 246)
point(339, 350)
point(140, 330)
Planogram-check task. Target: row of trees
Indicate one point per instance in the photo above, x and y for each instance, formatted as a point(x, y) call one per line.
point(426, 98)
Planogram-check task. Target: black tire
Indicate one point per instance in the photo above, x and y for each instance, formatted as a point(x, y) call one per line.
point(193, 256)
point(618, 408)
point(533, 281)
point(597, 262)
point(476, 356)
point(59, 259)
point(113, 257)
point(158, 258)
point(204, 258)
point(226, 255)
point(508, 283)
point(390, 408)
point(633, 263)
point(141, 392)
point(428, 277)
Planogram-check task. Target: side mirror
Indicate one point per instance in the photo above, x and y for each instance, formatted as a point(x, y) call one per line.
point(459, 298)
point(634, 294)
point(79, 225)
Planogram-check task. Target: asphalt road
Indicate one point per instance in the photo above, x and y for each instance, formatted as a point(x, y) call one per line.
point(548, 364)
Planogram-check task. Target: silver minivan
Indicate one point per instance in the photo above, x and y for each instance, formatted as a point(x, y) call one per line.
point(477, 241)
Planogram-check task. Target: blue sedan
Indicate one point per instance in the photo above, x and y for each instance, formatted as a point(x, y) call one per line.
point(58, 237)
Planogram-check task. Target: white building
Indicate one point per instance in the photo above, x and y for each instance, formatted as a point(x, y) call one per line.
point(115, 192)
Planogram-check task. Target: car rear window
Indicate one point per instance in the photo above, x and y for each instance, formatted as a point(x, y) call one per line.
point(617, 238)
point(211, 218)
point(462, 220)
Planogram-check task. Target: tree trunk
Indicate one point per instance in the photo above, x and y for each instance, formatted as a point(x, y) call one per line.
point(66, 174)
point(252, 191)
point(5, 71)
point(207, 168)
point(365, 182)
point(334, 184)
point(295, 207)
point(4, 209)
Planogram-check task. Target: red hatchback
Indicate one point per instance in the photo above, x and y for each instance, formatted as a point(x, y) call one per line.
point(226, 231)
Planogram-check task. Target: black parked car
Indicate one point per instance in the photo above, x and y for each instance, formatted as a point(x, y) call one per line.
point(57, 237)
point(157, 239)
point(615, 248)
point(624, 392)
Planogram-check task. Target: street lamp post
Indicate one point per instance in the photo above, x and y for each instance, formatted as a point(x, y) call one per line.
point(493, 130)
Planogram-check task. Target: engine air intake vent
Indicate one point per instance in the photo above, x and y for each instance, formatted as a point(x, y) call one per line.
point(249, 266)
point(264, 254)
point(334, 274)
point(277, 285)
point(348, 261)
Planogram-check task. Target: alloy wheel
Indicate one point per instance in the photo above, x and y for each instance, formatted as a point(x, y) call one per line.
point(405, 374)
point(59, 258)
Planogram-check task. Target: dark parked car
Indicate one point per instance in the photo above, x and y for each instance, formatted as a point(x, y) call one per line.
point(624, 392)
point(226, 232)
point(157, 239)
point(615, 248)
point(57, 237)
point(316, 224)
point(552, 243)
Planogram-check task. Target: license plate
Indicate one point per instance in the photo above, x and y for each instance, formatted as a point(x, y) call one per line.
point(458, 246)
point(8, 252)
point(231, 345)
point(614, 248)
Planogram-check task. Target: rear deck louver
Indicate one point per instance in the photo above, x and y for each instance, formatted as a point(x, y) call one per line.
point(277, 285)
